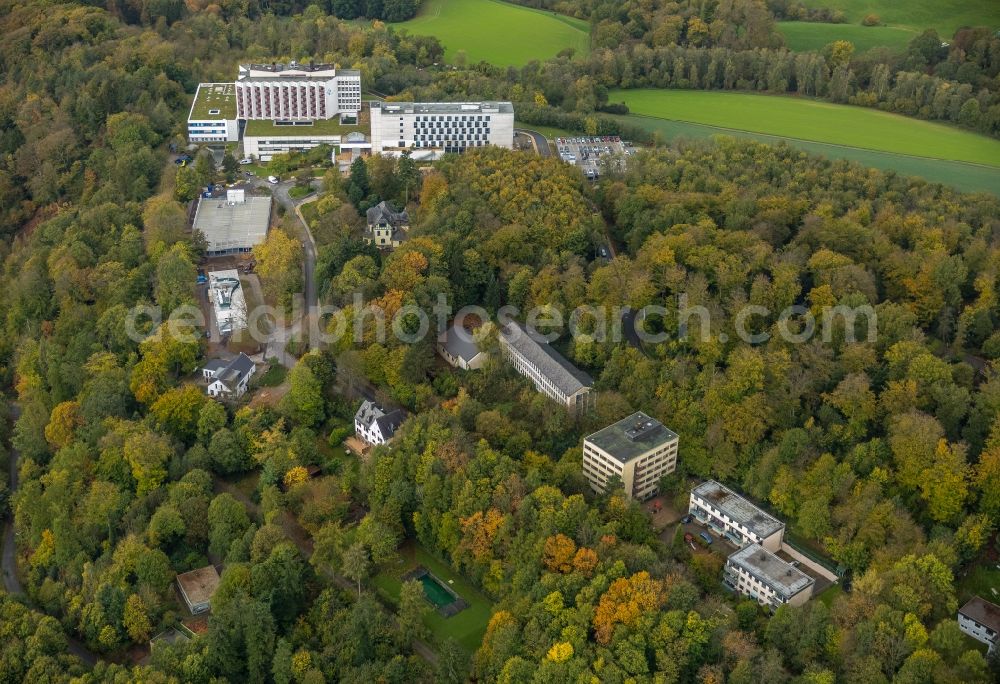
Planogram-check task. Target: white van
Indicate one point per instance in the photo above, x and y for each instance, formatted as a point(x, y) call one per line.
point(272, 179)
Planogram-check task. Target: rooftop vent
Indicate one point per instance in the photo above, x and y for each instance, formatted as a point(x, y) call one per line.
point(641, 429)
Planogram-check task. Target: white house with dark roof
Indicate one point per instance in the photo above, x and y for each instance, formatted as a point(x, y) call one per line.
point(638, 449)
point(552, 374)
point(229, 379)
point(373, 425)
point(458, 347)
point(980, 619)
point(730, 515)
point(386, 226)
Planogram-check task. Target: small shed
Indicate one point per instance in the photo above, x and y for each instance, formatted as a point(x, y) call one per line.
point(197, 588)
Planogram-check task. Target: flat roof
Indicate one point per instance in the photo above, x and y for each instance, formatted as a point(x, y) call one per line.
point(266, 128)
point(237, 225)
point(292, 71)
point(226, 291)
point(983, 612)
point(632, 436)
point(214, 97)
point(445, 107)
point(782, 577)
point(199, 585)
point(738, 509)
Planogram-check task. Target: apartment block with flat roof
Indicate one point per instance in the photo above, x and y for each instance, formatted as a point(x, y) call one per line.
point(213, 114)
point(756, 572)
point(290, 92)
point(441, 126)
point(638, 449)
point(732, 516)
point(552, 374)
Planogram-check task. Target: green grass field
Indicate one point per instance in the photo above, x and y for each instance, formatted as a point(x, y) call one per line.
point(815, 121)
point(918, 15)
point(500, 33)
point(801, 36)
point(548, 131)
point(959, 175)
point(468, 626)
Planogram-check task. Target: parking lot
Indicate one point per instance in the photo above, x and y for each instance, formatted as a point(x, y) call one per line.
point(588, 152)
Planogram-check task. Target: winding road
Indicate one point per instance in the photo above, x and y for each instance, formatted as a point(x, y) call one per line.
point(276, 345)
point(541, 143)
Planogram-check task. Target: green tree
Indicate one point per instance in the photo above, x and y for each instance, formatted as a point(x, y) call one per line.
point(356, 564)
point(412, 609)
point(136, 621)
point(304, 403)
point(227, 522)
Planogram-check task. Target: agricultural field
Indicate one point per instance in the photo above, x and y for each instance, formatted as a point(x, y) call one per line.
point(917, 15)
point(801, 36)
point(814, 121)
point(959, 175)
point(498, 32)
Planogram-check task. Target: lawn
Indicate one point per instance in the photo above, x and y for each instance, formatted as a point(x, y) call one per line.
point(468, 626)
point(815, 121)
point(943, 15)
point(981, 580)
point(274, 376)
point(547, 131)
point(498, 32)
point(260, 128)
point(960, 175)
point(828, 595)
point(801, 36)
point(300, 191)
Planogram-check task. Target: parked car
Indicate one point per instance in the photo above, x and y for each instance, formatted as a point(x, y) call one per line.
point(705, 537)
point(688, 537)
point(272, 179)
point(687, 518)
point(246, 161)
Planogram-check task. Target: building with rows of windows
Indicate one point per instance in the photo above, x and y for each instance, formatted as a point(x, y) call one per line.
point(441, 126)
point(755, 572)
point(638, 450)
point(289, 92)
point(212, 118)
point(730, 515)
point(280, 108)
point(980, 619)
point(555, 377)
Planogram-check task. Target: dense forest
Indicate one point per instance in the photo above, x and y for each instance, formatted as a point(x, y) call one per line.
point(881, 452)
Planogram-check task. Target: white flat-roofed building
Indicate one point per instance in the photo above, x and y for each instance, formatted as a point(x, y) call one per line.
point(294, 91)
point(552, 374)
point(228, 303)
point(638, 449)
point(262, 139)
point(756, 572)
point(980, 619)
point(212, 117)
point(441, 126)
point(729, 514)
point(234, 223)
